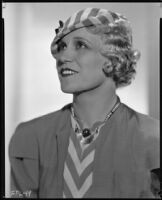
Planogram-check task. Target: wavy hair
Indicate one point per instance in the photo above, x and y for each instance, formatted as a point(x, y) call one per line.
point(117, 47)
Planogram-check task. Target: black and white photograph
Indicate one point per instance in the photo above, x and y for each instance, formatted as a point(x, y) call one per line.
point(82, 99)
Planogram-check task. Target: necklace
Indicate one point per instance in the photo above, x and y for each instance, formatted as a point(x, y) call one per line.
point(86, 135)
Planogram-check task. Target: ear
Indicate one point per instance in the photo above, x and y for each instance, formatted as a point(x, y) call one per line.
point(107, 67)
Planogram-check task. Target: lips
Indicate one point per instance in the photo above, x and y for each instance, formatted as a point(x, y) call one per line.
point(67, 72)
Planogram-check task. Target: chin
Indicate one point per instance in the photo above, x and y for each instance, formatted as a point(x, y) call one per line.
point(68, 90)
point(76, 90)
point(72, 90)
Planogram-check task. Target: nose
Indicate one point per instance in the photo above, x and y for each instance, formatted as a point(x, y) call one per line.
point(66, 56)
point(62, 61)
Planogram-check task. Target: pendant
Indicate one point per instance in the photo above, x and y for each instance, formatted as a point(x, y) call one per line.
point(86, 132)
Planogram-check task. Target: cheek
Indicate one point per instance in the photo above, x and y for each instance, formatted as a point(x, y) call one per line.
point(90, 62)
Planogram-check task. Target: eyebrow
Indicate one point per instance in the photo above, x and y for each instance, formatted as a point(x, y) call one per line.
point(81, 38)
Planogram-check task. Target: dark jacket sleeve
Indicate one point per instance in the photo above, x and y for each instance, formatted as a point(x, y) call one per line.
point(23, 155)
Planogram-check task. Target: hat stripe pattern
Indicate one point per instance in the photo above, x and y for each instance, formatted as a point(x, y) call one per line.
point(103, 19)
point(78, 16)
point(85, 14)
point(110, 18)
point(94, 12)
point(91, 21)
point(102, 12)
point(72, 20)
point(88, 17)
point(67, 22)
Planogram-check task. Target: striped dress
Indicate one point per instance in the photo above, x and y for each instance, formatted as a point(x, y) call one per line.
point(78, 166)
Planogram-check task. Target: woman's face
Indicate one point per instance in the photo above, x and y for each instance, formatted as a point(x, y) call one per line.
point(79, 62)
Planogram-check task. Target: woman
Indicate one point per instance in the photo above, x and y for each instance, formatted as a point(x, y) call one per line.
point(96, 146)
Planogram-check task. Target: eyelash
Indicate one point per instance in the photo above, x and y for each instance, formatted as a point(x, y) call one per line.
point(78, 45)
point(81, 44)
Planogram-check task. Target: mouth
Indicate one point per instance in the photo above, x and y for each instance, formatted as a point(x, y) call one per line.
point(67, 72)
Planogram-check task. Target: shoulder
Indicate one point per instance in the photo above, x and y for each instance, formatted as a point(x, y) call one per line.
point(145, 134)
point(28, 135)
point(146, 125)
point(45, 121)
point(149, 126)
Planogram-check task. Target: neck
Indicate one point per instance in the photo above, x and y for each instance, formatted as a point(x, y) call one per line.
point(94, 105)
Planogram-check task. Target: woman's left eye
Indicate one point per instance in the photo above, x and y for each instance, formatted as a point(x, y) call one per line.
point(80, 45)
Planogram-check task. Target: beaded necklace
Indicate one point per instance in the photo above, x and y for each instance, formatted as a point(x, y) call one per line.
point(85, 135)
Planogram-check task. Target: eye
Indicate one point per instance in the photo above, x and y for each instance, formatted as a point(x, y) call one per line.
point(61, 46)
point(80, 45)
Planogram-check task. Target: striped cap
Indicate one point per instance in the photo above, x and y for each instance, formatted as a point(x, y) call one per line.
point(90, 17)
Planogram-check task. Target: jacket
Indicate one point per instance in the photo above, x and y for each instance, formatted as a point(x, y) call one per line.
point(126, 150)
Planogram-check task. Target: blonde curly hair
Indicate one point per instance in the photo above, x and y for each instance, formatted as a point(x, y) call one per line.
point(117, 47)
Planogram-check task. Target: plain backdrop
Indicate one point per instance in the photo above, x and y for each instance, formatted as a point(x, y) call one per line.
point(32, 87)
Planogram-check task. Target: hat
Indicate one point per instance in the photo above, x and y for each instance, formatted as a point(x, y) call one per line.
point(91, 17)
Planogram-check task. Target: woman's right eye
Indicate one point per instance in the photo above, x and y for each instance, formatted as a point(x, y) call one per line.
point(61, 46)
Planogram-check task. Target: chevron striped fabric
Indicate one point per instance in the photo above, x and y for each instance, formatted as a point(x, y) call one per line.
point(89, 17)
point(78, 167)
